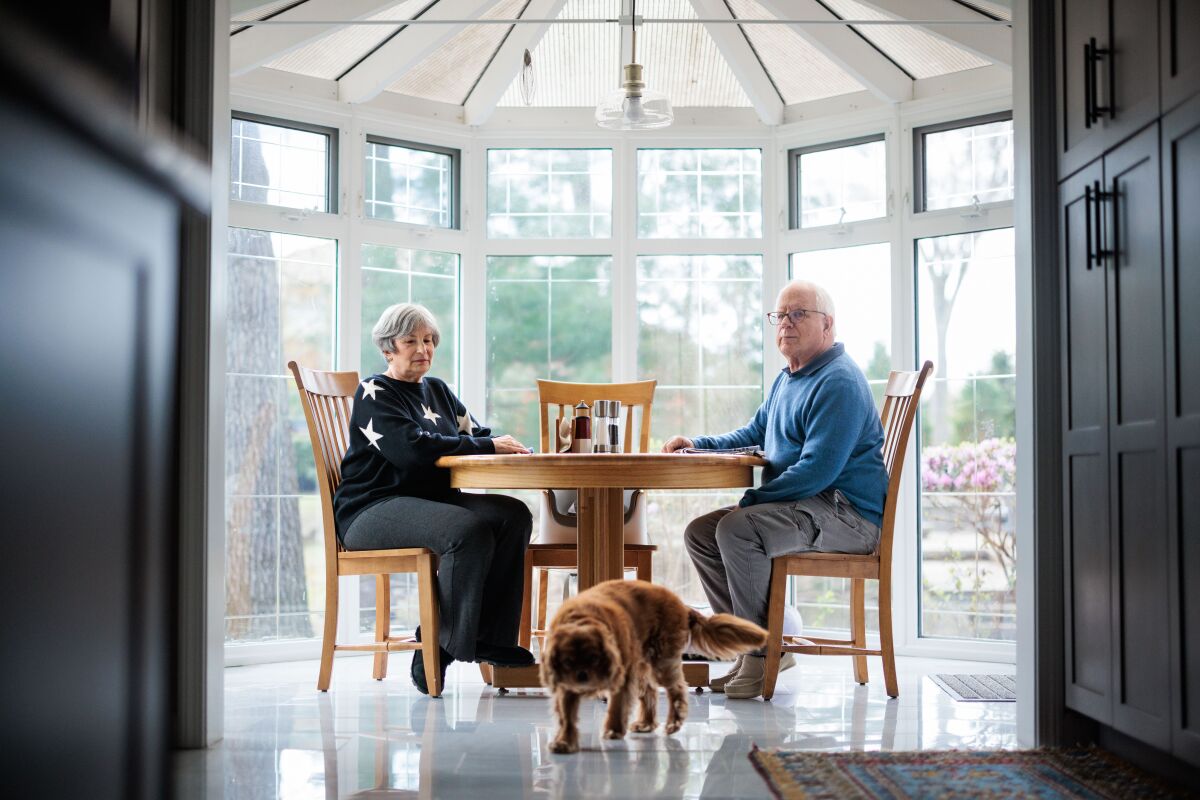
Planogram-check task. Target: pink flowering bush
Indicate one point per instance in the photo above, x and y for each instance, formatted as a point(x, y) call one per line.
point(987, 466)
point(972, 485)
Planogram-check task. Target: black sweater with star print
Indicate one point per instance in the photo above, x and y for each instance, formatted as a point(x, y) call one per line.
point(398, 429)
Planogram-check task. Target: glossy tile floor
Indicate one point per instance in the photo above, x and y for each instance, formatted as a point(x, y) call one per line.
point(373, 739)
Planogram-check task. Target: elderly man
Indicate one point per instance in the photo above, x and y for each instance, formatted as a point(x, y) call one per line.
point(823, 488)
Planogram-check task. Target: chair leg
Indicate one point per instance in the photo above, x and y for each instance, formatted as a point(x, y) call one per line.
point(645, 565)
point(427, 600)
point(485, 671)
point(776, 598)
point(885, 638)
point(330, 635)
point(524, 633)
point(858, 625)
point(383, 622)
point(543, 601)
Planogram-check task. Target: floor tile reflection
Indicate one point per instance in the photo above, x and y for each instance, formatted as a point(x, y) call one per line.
point(370, 739)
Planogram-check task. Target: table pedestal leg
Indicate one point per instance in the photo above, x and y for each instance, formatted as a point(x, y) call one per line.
point(601, 517)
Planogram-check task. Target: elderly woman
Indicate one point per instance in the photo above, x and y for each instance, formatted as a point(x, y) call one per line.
point(392, 495)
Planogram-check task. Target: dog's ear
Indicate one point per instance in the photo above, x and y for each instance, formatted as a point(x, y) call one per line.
point(612, 651)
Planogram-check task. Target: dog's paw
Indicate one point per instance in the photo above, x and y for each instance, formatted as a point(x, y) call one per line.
point(642, 727)
point(610, 733)
point(563, 746)
point(673, 726)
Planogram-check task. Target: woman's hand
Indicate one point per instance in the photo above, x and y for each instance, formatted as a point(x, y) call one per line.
point(677, 443)
point(506, 445)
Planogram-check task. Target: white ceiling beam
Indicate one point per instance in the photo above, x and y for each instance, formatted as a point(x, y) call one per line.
point(741, 59)
point(403, 51)
point(260, 44)
point(508, 61)
point(989, 42)
point(846, 48)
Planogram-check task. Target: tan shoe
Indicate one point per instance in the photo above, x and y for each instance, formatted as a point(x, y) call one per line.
point(749, 680)
point(718, 684)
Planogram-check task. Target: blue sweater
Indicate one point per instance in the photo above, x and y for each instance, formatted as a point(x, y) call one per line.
point(820, 430)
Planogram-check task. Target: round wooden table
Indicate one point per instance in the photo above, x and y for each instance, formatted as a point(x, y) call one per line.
point(600, 479)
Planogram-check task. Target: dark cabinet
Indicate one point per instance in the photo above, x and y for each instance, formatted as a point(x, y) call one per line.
point(1108, 85)
point(1179, 24)
point(1114, 492)
point(1085, 448)
point(1181, 239)
point(1131, 252)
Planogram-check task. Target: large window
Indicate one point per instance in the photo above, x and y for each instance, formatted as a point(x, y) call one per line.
point(700, 336)
point(838, 183)
point(415, 183)
point(700, 194)
point(967, 326)
point(547, 317)
point(548, 194)
point(283, 163)
point(964, 163)
point(399, 275)
point(280, 299)
point(859, 281)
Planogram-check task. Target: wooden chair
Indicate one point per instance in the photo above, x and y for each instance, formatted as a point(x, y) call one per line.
point(901, 398)
point(557, 543)
point(326, 398)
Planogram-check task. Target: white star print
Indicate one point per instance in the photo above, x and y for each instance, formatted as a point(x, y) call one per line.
point(466, 424)
point(429, 415)
point(370, 388)
point(372, 437)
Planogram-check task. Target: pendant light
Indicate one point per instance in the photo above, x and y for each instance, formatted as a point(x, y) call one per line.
point(633, 107)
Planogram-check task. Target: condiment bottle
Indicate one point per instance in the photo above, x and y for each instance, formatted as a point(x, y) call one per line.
point(581, 440)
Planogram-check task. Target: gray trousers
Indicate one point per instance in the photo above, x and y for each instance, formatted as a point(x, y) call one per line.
point(480, 540)
point(732, 548)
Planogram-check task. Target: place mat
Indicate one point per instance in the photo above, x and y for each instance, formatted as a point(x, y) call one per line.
point(1046, 774)
point(979, 688)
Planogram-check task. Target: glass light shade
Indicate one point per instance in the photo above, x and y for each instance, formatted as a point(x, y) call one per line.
point(621, 111)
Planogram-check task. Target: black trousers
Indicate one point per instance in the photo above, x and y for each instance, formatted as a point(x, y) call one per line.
point(480, 540)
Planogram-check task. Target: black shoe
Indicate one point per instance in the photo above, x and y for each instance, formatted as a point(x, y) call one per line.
point(499, 655)
point(417, 670)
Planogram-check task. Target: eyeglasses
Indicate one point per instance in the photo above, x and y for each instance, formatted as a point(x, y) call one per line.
point(795, 315)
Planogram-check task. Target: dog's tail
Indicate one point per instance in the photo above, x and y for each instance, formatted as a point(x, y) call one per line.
point(724, 635)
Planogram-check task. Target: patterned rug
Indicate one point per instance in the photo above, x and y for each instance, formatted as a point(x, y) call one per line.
point(947, 775)
point(978, 688)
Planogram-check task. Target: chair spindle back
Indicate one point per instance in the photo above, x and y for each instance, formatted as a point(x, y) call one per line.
point(327, 399)
point(636, 396)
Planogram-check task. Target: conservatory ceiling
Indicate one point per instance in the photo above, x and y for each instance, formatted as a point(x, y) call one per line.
point(350, 47)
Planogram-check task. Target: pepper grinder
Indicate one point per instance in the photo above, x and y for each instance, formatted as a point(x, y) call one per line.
point(581, 440)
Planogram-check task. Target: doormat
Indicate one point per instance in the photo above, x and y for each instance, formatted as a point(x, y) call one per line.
point(1046, 774)
point(979, 688)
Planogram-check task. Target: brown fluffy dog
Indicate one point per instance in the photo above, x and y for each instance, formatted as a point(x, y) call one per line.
point(620, 638)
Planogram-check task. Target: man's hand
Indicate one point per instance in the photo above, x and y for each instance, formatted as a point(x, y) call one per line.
point(507, 444)
point(677, 443)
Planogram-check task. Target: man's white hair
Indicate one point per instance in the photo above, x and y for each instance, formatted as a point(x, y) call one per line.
point(824, 299)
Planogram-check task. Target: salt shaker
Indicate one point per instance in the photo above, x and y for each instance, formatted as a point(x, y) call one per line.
point(600, 417)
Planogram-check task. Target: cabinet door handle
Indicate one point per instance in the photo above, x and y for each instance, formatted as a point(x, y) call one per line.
point(1099, 196)
point(1088, 89)
point(1092, 54)
point(1087, 225)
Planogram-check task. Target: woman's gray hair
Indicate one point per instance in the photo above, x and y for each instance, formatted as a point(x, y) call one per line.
point(401, 320)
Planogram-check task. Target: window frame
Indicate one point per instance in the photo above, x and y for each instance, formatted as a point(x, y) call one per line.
point(455, 155)
point(919, 157)
point(793, 162)
point(487, 178)
point(332, 195)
